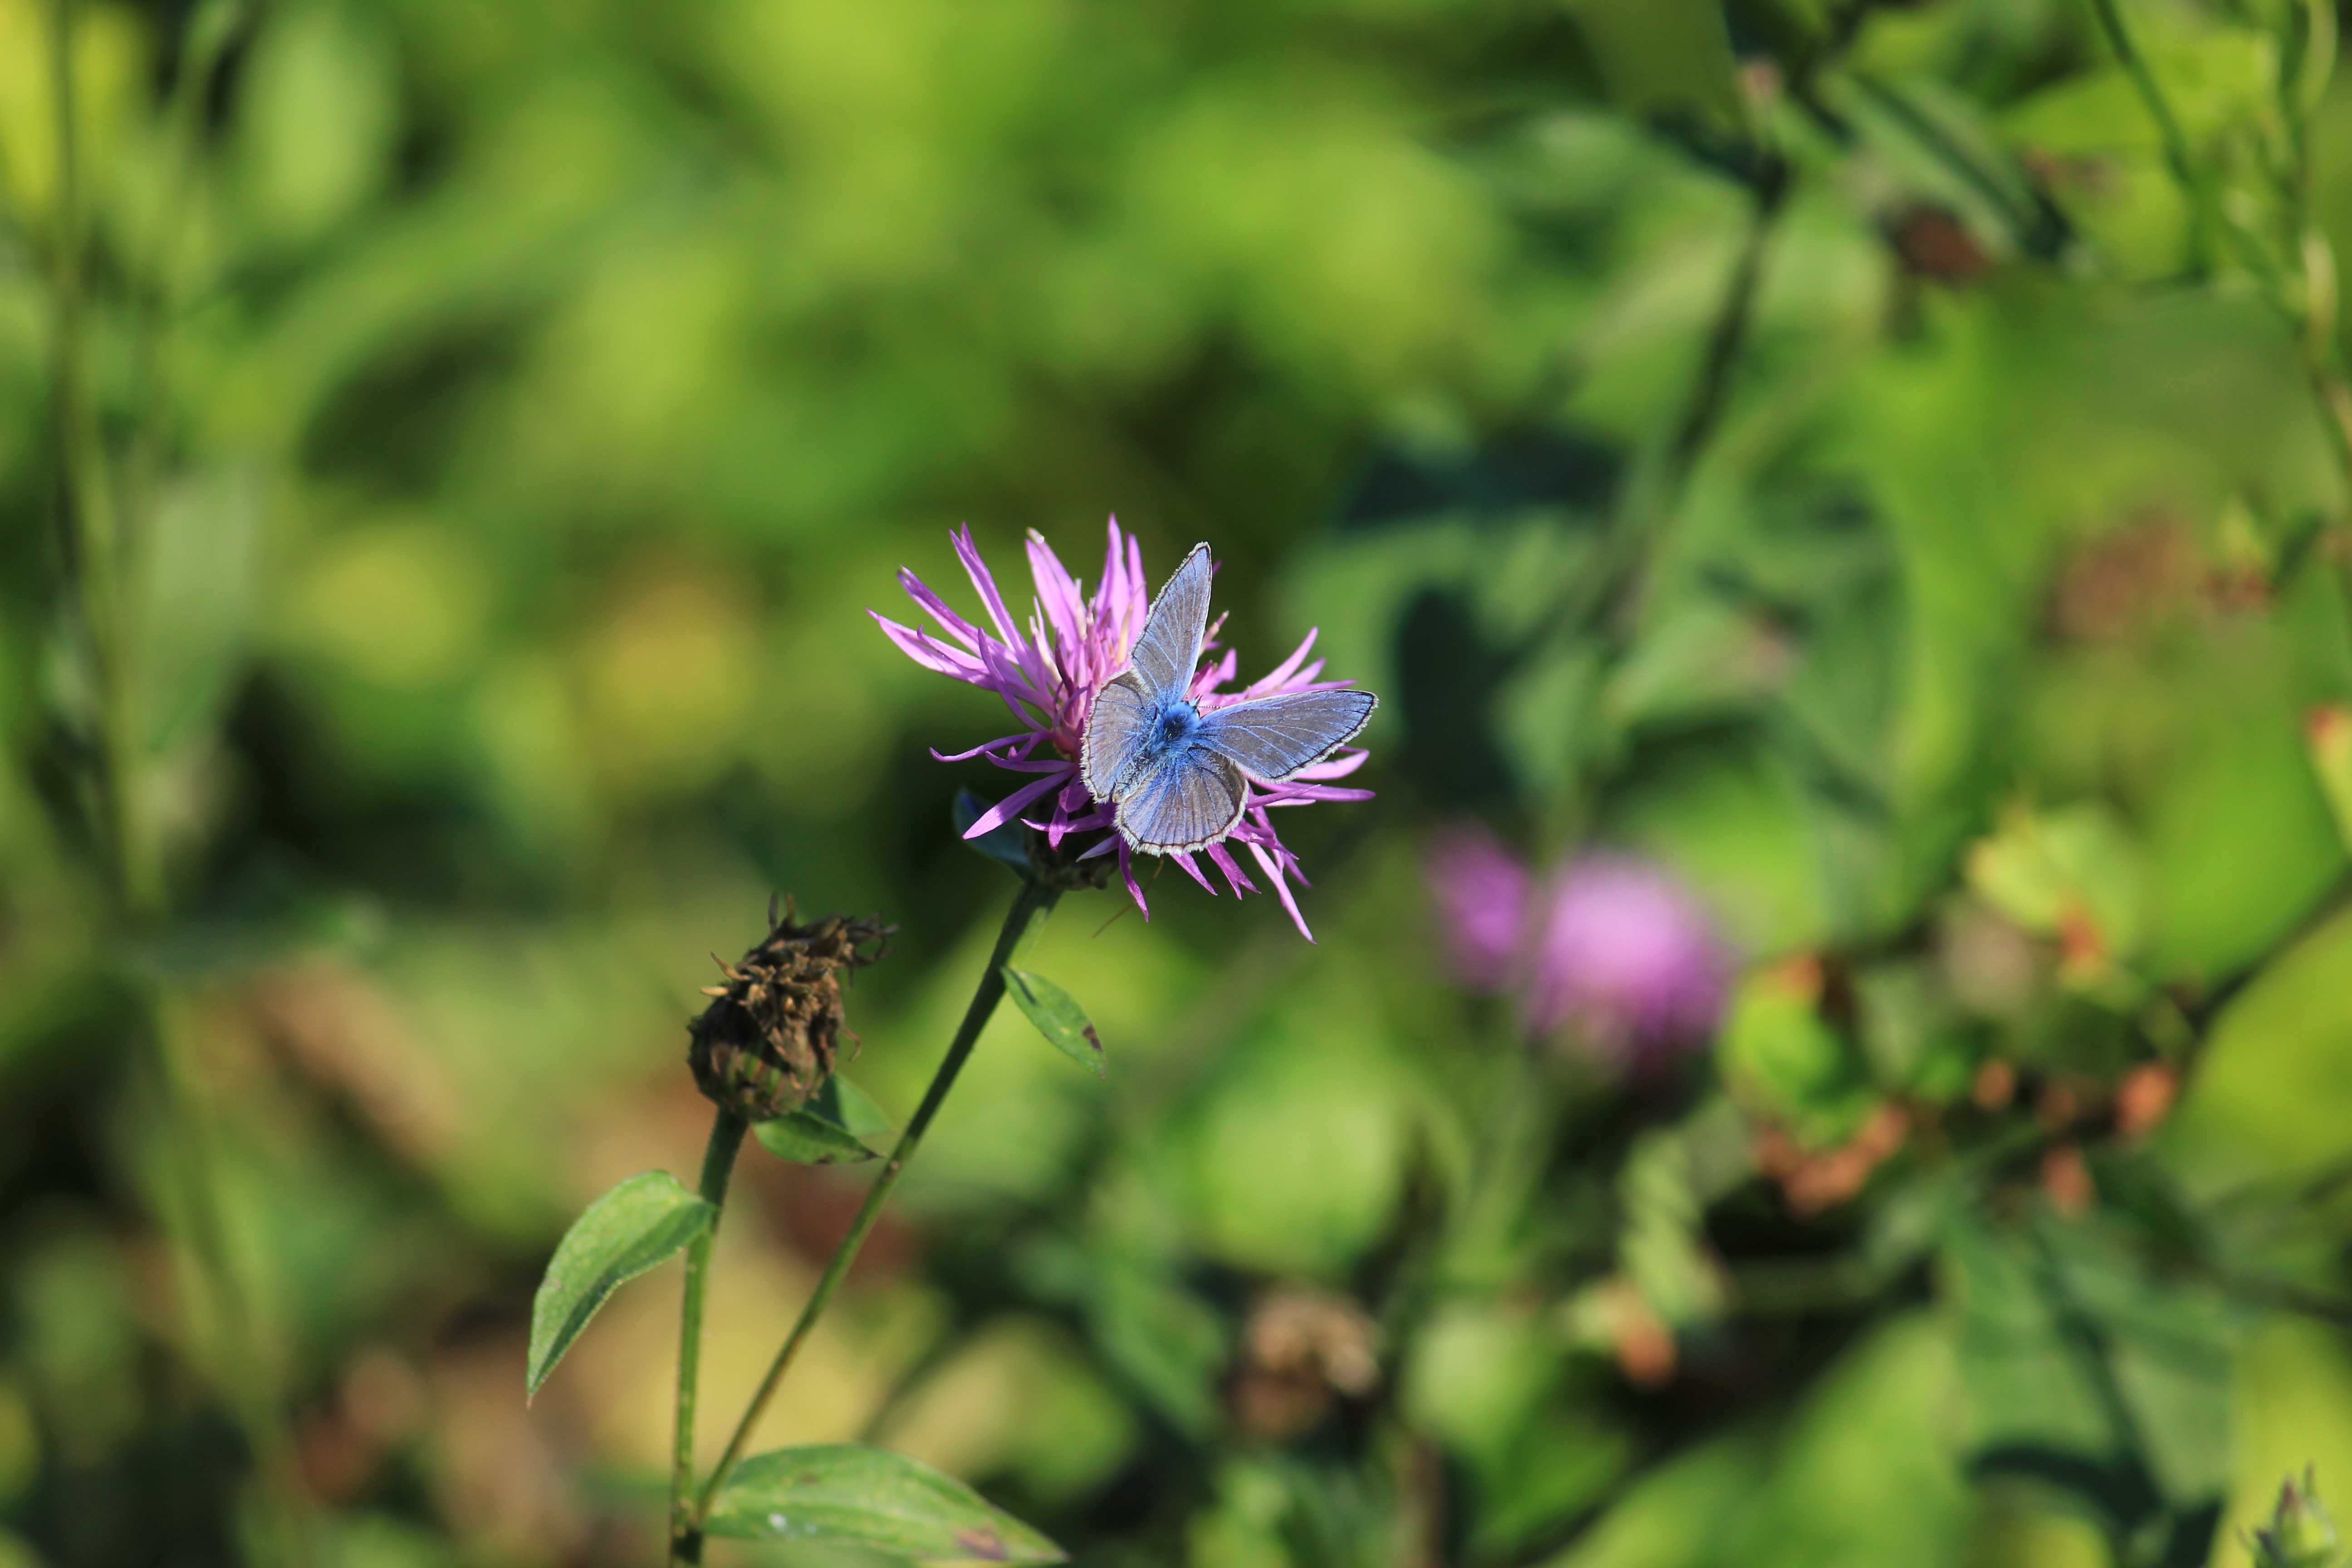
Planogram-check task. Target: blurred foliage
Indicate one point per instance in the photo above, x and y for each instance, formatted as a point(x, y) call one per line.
point(1884, 461)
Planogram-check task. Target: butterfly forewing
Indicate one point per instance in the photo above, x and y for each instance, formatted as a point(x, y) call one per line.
point(1170, 644)
point(1117, 727)
point(1189, 801)
point(1272, 738)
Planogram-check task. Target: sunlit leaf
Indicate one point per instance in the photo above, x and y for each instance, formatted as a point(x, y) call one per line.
point(1057, 1016)
point(638, 1224)
point(841, 1491)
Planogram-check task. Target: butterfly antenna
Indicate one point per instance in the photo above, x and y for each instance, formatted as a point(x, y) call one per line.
point(1115, 916)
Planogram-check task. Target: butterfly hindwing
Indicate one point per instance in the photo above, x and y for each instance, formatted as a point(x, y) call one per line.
point(1170, 644)
point(1117, 727)
point(1271, 738)
point(1191, 798)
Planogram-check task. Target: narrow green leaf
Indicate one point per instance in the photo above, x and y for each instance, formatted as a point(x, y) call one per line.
point(841, 1491)
point(807, 1138)
point(1000, 844)
point(853, 1109)
point(1057, 1016)
point(830, 1129)
point(630, 1230)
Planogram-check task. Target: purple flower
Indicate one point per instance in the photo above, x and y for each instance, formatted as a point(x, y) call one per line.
point(1610, 948)
point(1482, 893)
point(1048, 673)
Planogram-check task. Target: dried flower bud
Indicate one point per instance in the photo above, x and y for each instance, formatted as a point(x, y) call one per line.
point(768, 1040)
point(2300, 1534)
point(1302, 1351)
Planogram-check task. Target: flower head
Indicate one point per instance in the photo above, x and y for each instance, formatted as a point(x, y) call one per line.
point(1610, 948)
point(1047, 670)
point(771, 1036)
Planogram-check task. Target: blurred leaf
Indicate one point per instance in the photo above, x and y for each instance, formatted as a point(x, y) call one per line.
point(2072, 874)
point(638, 1224)
point(1002, 844)
point(2268, 1100)
point(2093, 1379)
point(841, 1491)
point(1057, 1016)
point(1781, 1059)
point(1664, 56)
point(1937, 143)
point(2222, 78)
point(199, 571)
point(320, 115)
point(2329, 731)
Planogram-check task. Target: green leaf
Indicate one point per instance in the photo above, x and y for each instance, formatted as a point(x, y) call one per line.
point(830, 1129)
point(2092, 1374)
point(807, 1137)
point(1781, 1059)
point(630, 1230)
point(1057, 1016)
point(853, 1109)
point(841, 1491)
point(1000, 844)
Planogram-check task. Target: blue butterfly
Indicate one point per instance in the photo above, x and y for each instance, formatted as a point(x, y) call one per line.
point(1178, 776)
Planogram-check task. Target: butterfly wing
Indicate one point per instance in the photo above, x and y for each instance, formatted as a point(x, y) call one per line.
point(1271, 738)
point(1116, 726)
point(1170, 645)
point(1191, 798)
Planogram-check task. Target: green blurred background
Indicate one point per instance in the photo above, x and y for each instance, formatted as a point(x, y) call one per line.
point(448, 450)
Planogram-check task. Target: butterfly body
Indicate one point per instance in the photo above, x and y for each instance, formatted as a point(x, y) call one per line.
point(1179, 777)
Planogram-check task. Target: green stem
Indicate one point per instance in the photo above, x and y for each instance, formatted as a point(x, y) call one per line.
point(2168, 125)
point(99, 581)
point(1028, 915)
point(726, 1132)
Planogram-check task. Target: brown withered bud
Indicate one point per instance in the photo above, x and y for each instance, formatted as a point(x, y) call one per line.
point(768, 1038)
point(1302, 1351)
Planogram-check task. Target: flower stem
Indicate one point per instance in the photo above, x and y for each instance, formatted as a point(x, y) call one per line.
point(2178, 154)
point(1028, 915)
point(726, 1132)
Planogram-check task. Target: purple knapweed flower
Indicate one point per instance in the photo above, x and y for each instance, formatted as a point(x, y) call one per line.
point(1048, 673)
point(1613, 949)
point(1483, 892)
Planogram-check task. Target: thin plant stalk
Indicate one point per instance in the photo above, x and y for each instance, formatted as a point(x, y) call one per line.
point(96, 552)
point(2177, 151)
point(1028, 915)
point(726, 1132)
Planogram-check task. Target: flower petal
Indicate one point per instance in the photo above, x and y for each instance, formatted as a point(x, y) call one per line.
point(1271, 682)
point(920, 647)
point(1280, 891)
point(1235, 877)
point(1057, 592)
point(1009, 808)
point(963, 631)
point(1027, 737)
point(1126, 870)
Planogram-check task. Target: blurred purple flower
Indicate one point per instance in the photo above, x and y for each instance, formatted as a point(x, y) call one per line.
point(1613, 948)
point(1482, 899)
point(1048, 673)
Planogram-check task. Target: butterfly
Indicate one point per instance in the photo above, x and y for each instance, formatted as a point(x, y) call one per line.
point(1180, 777)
